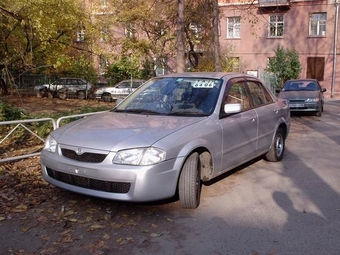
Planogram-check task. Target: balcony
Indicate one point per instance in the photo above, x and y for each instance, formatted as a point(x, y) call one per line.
point(274, 3)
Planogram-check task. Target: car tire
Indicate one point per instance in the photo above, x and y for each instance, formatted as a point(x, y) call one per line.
point(81, 94)
point(189, 186)
point(106, 97)
point(277, 148)
point(319, 112)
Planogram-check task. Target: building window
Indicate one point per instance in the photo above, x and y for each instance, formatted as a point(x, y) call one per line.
point(160, 66)
point(103, 3)
point(196, 30)
point(104, 34)
point(317, 24)
point(130, 30)
point(234, 27)
point(276, 23)
point(81, 35)
point(315, 68)
point(103, 63)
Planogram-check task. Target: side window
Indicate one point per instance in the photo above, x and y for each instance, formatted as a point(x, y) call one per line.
point(124, 85)
point(259, 94)
point(238, 95)
point(63, 82)
point(136, 84)
point(80, 82)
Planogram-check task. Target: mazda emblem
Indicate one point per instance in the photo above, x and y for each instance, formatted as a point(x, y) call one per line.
point(79, 151)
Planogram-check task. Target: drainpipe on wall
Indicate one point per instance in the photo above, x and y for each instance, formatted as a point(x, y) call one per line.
point(335, 45)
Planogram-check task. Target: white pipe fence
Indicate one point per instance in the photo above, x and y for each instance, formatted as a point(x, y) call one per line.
point(23, 124)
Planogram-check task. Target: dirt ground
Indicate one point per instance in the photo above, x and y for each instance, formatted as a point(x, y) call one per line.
point(37, 218)
point(35, 105)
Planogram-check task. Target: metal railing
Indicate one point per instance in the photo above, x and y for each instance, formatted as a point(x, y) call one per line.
point(23, 124)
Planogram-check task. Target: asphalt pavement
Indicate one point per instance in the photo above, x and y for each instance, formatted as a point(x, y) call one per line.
point(291, 207)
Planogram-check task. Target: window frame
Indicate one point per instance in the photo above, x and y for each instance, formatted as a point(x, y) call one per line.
point(320, 22)
point(233, 27)
point(81, 35)
point(104, 34)
point(276, 25)
point(130, 30)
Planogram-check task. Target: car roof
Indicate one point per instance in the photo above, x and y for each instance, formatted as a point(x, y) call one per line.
point(297, 80)
point(211, 75)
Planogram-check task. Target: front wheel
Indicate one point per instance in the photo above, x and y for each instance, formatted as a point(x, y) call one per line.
point(189, 186)
point(319, 112)
point(106, 97)
point(277, 148)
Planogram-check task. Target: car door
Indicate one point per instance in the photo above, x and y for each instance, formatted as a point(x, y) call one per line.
point(239, 130)
point(267, 113)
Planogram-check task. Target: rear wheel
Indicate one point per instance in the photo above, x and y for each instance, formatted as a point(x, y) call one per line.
point(277, 149)
point(81, 94)
point(189, 186)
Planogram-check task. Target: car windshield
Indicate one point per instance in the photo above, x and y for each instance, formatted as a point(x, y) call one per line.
point(300, 85)
point(173, 96)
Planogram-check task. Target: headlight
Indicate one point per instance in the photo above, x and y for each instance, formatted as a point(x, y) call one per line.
point(50, 144)
point(139, 156)
point(313, 100)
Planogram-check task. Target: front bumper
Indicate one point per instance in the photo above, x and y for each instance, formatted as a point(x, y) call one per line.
point(303, 106)
point(112, 181)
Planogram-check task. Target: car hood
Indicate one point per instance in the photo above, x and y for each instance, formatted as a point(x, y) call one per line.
point(114, 131)
point(298, 94)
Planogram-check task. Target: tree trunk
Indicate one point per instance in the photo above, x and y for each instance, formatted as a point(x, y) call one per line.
point(180, 37)
point(216, 20)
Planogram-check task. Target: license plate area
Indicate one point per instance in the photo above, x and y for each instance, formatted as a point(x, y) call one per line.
point(296, 105)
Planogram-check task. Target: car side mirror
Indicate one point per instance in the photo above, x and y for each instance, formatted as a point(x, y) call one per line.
point(323, 90)
point(232, 108)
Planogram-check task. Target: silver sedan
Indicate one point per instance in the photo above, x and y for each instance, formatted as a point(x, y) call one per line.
point(166, 139)
point(304, 95)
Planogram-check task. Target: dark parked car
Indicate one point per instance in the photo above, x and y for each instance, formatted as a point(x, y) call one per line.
point(168, 137)
point(304, 95)
point(65, 87)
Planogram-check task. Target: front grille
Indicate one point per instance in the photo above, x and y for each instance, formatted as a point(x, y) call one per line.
point(85, 157)
point(296, 100)
point(88, 183)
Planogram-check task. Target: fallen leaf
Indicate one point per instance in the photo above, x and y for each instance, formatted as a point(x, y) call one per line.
point(106, 236)
point(66, 232)
point(19, 208)
point(96, 226)
point(155, 234)
point(72, 220)
point(169, 219)
point(68, 213)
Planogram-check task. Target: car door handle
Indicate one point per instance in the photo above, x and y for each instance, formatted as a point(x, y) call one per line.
point(276, 111)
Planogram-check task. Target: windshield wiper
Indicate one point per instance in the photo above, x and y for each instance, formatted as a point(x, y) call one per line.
point(139, 110)
point(187, 113)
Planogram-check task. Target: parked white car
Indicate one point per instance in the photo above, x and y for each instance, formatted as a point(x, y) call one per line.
point(65, 87)
point(118, 91)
